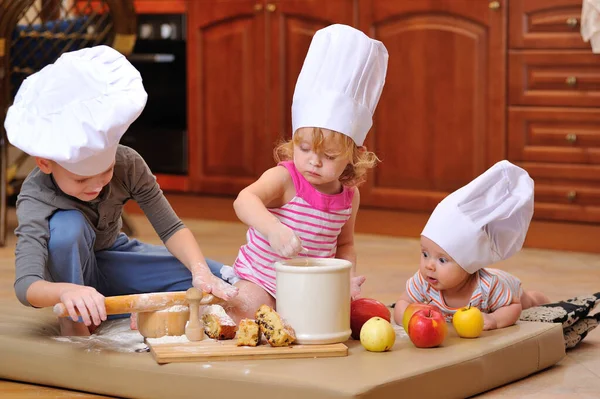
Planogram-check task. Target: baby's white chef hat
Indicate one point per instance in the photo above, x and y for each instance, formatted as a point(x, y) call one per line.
point(485, 221)
point(340, 82)
point(75, 111)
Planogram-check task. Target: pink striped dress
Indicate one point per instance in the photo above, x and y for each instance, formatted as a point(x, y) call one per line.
point(315, 217)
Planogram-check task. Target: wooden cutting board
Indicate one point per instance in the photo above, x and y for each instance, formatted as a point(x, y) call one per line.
point(210, 350)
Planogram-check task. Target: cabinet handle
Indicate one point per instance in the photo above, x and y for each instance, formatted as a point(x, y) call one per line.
point(494, 5)
point(572, 22)
point(271, 7)
point(571, 81)
point(571, 138)
point(258, 7)
point(571, 195)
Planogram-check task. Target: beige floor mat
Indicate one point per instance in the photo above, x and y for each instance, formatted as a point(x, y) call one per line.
point(111, 364)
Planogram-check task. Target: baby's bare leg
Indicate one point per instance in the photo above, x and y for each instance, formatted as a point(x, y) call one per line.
point(246, 303)
point(530, 299)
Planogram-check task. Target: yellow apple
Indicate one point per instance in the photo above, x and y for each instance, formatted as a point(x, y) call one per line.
point(377, 335)
point(468, 322)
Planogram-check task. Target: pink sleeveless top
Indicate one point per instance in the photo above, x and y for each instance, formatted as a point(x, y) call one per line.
point(315, 217)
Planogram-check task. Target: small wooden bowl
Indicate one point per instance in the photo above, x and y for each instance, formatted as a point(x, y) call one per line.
point(163, 322)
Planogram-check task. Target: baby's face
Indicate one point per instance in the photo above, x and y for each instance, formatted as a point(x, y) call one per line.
point(438, 269)
point(84, 188)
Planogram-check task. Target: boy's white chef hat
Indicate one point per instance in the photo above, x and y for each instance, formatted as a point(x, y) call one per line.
point(340, 82)
point(485, 221)
point(75, 111)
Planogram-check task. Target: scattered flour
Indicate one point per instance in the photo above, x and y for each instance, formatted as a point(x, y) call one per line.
point(216, 309)
point(112, 335)
point(176, 339)
point(176, 308)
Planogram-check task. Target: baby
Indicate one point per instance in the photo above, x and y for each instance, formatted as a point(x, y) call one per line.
point(482, 223)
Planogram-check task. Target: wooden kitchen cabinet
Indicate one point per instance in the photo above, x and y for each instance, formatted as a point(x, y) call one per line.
point(226, 88)
point(553, 116)
point(244, 58)
point(470, 82)
point(441, 118)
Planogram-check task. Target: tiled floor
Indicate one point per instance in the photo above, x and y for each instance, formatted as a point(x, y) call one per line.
point(388, 262)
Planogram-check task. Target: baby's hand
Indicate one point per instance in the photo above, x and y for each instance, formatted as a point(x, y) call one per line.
point(284, 241)
point(85, 300)
point(355, 284)
point(489, 322)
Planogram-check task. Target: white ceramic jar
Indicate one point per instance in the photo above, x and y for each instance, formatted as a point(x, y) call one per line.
point(313, 296)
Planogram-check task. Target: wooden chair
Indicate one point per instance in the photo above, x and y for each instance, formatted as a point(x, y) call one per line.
point(33, 34)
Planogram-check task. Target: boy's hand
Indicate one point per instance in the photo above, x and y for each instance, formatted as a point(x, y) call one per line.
point(284, 241)
point(489, 322)
point(211, 284)
point(355, 284)
point(85, 300)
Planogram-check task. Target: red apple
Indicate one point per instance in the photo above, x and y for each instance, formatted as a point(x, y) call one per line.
point(411, 309)
point(427, 328)
point(363, 309)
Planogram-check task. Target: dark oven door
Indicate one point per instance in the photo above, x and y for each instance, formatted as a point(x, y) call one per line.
point(160, 133)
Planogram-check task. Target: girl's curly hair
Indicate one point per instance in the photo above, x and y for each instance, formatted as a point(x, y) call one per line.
point(359, 159)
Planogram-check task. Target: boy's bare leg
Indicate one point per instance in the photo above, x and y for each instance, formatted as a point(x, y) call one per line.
point(530, 299)
point(250, 297)
point(69, 328)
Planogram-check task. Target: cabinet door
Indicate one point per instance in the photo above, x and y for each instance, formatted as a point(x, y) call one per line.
point(292, 24)
point(226, 70)
point(441, 118)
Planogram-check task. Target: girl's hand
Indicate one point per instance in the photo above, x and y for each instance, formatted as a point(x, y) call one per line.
point(489, 322)
point(355, 284)
point(284, 241)
point(205, 281)
point(85, 300)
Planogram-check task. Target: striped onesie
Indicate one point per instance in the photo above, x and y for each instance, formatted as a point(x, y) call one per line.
point(494, 289)
point(316, 218)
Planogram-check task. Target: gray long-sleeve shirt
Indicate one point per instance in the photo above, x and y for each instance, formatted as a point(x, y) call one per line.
point(40, 197)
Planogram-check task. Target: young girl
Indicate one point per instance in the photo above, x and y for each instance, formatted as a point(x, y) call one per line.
point(307, 204)
point(482, 223)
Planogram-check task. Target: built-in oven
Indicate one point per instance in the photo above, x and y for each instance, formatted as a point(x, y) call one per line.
point(160, 133)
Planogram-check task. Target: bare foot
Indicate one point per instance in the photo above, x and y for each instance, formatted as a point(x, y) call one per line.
point(69, 328)
point(530, 299)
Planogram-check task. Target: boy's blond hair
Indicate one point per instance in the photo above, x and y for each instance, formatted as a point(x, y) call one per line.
point(359, 159)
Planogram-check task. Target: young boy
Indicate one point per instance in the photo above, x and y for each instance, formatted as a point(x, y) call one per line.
point(70, 116)
point(480, 224)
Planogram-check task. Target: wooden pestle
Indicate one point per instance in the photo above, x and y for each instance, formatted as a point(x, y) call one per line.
point(194, 330)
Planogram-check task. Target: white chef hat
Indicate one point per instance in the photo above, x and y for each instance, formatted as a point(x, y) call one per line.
point(75, 111)
point(485, 221)
point(340, 82)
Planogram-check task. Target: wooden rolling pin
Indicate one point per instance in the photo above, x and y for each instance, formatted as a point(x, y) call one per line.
point(142, 302)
